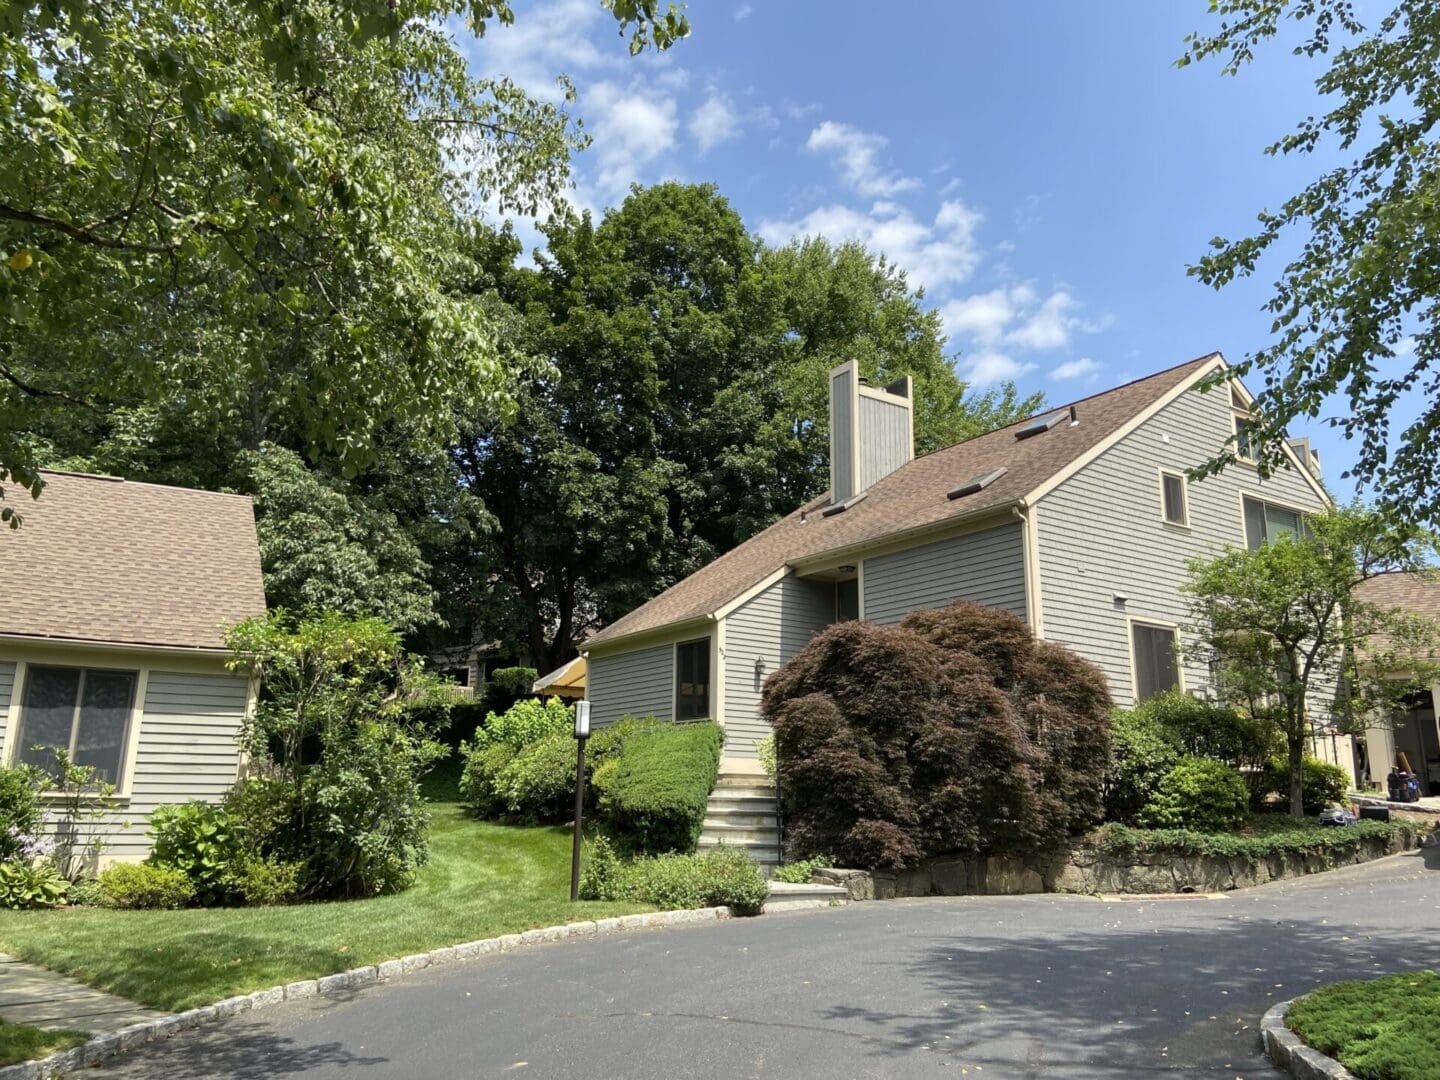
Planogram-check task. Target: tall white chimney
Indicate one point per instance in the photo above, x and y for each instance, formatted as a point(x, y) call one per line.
point(872, 432)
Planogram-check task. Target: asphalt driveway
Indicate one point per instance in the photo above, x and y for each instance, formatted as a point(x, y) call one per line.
point(984, 987)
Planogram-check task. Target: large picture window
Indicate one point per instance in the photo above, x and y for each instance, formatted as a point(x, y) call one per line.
point(692, 680)
point(1156, 666)
point(1265, 522)
point(83, 711)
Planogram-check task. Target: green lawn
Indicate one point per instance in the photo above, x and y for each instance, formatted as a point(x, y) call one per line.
point(21, 1042)
point(1379, 1029)
point(482, 880)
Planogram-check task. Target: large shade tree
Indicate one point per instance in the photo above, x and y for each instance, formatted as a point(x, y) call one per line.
point(683, 405)
point(248, 213)
point(1356, 305)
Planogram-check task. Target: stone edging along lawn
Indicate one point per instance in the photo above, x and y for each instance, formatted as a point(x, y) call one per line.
point(1288, 1052)
point(101, 1047)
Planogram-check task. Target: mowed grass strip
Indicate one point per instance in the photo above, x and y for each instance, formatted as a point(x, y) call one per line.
point(1379, 1029)
point(482, 880)
point(21, 1042)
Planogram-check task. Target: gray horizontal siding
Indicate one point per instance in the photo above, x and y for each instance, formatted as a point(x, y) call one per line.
point(771, 627)
point(637, 683)
point(842, 436)
point(188, 749)
point(986, 567)
point(884, 439)
point(7, 687)
point(1101, 533)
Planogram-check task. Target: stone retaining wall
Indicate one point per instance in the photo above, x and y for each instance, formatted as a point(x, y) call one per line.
point(1089, 871)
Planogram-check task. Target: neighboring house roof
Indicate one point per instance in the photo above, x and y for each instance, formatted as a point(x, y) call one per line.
point(910, 499)
point(1417, 592)
point(108, 560)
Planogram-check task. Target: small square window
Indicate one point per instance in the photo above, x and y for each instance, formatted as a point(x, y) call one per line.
point(1173, 499)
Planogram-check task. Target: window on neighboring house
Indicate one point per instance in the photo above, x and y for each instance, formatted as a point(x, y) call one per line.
point(1157, 668)
point(1244, 437)
point(84, 711)
point(1265, 522)
point(847, 600)
point(1173, 499)
point(692, 680)
point(458, 675)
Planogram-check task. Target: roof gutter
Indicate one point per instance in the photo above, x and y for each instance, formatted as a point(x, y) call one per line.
point(661, 633)
point(56, 640)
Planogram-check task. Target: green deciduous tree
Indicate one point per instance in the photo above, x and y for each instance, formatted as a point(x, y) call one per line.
point(685, 406)
point(1356, 305)
point(251, 212)
point(1291, 643)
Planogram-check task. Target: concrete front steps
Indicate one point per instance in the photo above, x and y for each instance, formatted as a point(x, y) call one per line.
point(742, 813)
point(787, 897)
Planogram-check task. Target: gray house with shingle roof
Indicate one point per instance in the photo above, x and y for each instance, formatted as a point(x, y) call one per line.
point(115, 599)
point(1079, 520)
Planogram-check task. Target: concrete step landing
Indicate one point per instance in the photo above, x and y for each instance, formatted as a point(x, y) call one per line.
point(787, 897)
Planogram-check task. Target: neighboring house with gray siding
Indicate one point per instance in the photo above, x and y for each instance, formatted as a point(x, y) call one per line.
point(116, 597)
point(1080, 521)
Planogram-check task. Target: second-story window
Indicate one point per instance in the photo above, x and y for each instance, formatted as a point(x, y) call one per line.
point(1265, 521)
point(1173, 500)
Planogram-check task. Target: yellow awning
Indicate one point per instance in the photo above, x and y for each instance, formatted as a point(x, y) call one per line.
point(568, 680)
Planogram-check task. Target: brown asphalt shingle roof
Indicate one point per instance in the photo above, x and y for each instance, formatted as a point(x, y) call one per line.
point(912, 497)
point(103, 559)
point(1418, 593)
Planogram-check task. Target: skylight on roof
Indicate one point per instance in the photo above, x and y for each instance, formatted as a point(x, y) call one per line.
point(975, 483)
point(1038, 427)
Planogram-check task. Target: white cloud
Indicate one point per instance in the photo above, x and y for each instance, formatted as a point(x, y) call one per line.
point(984, 317)
point(1050, 325)
point(632, 128)
point(858, 155)
point(714, 122)
point(1076, 369)
point(544, 42)
point(934, 255)
point(743, 12)
point(988, 367)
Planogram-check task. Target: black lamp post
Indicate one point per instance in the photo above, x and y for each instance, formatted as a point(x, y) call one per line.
point(582, 732)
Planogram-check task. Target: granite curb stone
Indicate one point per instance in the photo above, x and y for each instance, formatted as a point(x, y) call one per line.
point(71, 1062)
point(1288, 1052)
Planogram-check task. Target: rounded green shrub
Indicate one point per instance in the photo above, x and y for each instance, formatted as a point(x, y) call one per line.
point(1322, 784)
point(1198, 793)
point(1200, 728)
point(538, 782)
point(136, 885)
point(20, 814)
point(266, 882)
point(653, 798)
point(1142, 752)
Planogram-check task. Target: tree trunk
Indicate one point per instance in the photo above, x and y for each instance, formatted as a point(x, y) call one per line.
point(1297, 776)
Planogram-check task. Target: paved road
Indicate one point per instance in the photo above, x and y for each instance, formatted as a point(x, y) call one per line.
point(987, 987)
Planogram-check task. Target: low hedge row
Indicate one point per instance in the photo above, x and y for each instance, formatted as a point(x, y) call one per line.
point(722, 877)
point(1283, 836)
point(652, 794)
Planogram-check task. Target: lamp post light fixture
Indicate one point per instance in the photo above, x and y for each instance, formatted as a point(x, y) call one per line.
point(582, 732)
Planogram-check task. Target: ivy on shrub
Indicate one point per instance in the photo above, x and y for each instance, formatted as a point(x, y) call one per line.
point(955, 731)
point(652, 798)
point(722, 877)
point(1198, 793)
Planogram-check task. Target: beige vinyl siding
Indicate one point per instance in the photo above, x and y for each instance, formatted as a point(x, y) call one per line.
point(885, 439)
point(772, 627)
point(1102, 533)
point(987, 567)
point(639, 683)
point(7, 687)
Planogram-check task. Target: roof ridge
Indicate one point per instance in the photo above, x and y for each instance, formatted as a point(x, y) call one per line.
point(109, 478)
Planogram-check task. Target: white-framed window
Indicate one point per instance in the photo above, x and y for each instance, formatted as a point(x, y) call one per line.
point(1154, 654)
point(84, 711)
point(1174, 498)
point(1265, 521)
point(1244, 437)
point(692, 680)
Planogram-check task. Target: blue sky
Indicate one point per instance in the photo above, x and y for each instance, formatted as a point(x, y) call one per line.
point(1041, 168)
